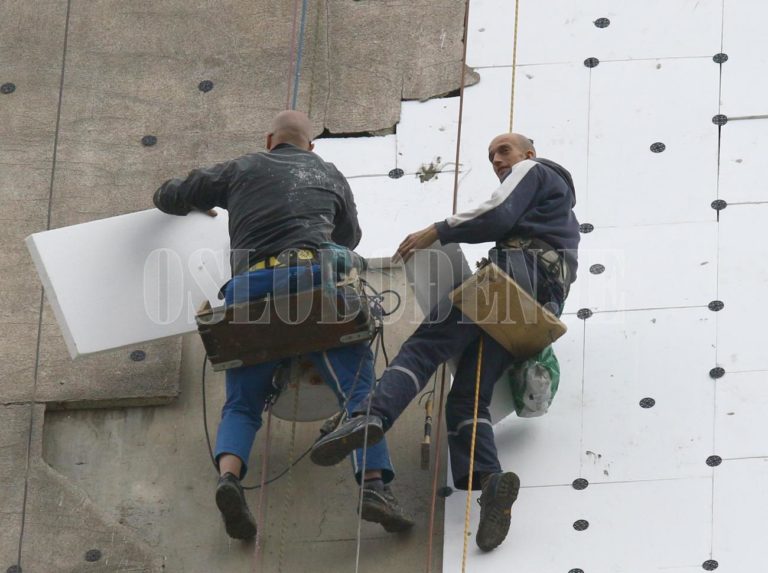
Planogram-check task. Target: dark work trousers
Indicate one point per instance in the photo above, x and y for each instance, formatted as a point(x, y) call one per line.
point(447, 334)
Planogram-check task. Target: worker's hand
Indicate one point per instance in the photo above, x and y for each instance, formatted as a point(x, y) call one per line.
point(418, 240)
point(211, 213)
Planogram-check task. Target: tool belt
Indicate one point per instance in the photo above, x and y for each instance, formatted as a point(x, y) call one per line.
point(554, 263)
point(290, 257)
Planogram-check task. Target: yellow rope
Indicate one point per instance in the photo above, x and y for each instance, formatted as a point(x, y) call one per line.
point(472, 455)
point(514, 68)
point(289, 486)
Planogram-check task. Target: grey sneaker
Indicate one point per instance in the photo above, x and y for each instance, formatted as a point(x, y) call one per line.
point(381, 506)
point(499, 493)
point(333, 448)
point(230, 500)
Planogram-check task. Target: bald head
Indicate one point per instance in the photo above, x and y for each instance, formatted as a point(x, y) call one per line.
point(292, 127)
point(508, 149)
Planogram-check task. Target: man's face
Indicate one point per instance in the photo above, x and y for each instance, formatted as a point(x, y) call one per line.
point(503, 152)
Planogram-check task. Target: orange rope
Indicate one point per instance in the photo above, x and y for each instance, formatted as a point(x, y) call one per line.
point(514, 67)
point(472, 455)
point(461, 109)
point(435, 471)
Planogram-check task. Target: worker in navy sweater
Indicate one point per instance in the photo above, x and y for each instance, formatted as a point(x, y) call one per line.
point(530, 218)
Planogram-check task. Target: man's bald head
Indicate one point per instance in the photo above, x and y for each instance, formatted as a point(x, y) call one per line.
point(508, 149)
point(292, 127)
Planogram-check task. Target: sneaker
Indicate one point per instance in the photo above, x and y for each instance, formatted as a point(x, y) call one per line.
point(230, 500)
point(381, 506)
point(333, 448)
point(499, 493)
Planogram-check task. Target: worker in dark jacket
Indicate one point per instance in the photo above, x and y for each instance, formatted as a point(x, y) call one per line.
point(530, 218)
point(283, 205)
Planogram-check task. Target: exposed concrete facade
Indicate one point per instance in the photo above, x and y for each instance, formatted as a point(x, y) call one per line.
point(91, 80)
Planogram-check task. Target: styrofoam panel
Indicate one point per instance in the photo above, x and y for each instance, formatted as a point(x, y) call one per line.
point(486, 115)
point(743, 280)
point(491, 33)
point(665, 355)
point(742, 157)
point(426, 136)
point(647, 267)
point(745, 85)
point(131, 279)
point(390, 209)
point(741, 423)
point(552, 108)
point(633, 528)
point(546, 450)
point(378, 158)
point(564, 31)
point(740, 499)
point(634, 105)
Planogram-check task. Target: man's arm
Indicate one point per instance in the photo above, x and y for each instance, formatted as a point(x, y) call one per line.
point(202, 190)
point(493, 219)
point(490, 221)
point(347, 230)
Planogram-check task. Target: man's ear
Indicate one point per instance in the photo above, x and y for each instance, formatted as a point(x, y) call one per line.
point(530, 154)
point(311, 146)
point(269, 141)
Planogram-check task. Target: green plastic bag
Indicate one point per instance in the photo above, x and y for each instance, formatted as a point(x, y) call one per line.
point(534, 383)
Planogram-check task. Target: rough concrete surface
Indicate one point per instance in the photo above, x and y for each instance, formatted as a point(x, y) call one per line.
point(149, 469)
point(91, 79)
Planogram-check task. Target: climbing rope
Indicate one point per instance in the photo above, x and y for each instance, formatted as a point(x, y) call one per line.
point(514, 67)
point(436, 471)
point(472, 455)
point(462, 83)
point(289, 486)
point(363, 466)
point(263, 491)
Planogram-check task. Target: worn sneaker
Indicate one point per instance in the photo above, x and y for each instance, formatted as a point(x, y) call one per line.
point(499, 493)
point(333, 448)
point(230, 499)
point(381, 506)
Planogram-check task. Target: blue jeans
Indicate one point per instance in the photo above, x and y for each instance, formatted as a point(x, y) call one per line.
point(249, 387)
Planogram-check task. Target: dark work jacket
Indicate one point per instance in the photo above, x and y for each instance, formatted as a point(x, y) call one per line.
point(281, 199)
point(535, 200)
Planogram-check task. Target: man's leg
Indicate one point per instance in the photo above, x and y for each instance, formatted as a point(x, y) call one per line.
point(248, 388)
point(433, 343)
point(499, 489)
point(350, 373)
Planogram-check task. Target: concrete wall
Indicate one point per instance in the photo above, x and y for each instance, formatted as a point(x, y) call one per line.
point(83, 84)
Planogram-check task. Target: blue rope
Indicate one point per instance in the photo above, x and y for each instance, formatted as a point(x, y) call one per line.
point(300, 53)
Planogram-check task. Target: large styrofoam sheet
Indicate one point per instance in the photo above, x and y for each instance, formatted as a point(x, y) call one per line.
point(743, 280)
point(745, 84)
point(546, 450)
point(379, 158)
point(740, 499)
point(633, 528)
point(390, 209)
point(552, 108)
point(634, 105)
point(742, 161)
point(564, 31)
point(741, 423)
point(131, 279)
point(664, 355)
point(651, 266)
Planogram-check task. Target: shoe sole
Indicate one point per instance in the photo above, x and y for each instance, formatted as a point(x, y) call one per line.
point(236, 517)
point(494, 526)
point(333, 451)
point(377, 514)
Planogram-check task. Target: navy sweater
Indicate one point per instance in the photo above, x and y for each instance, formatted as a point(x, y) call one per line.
point(535, 200)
